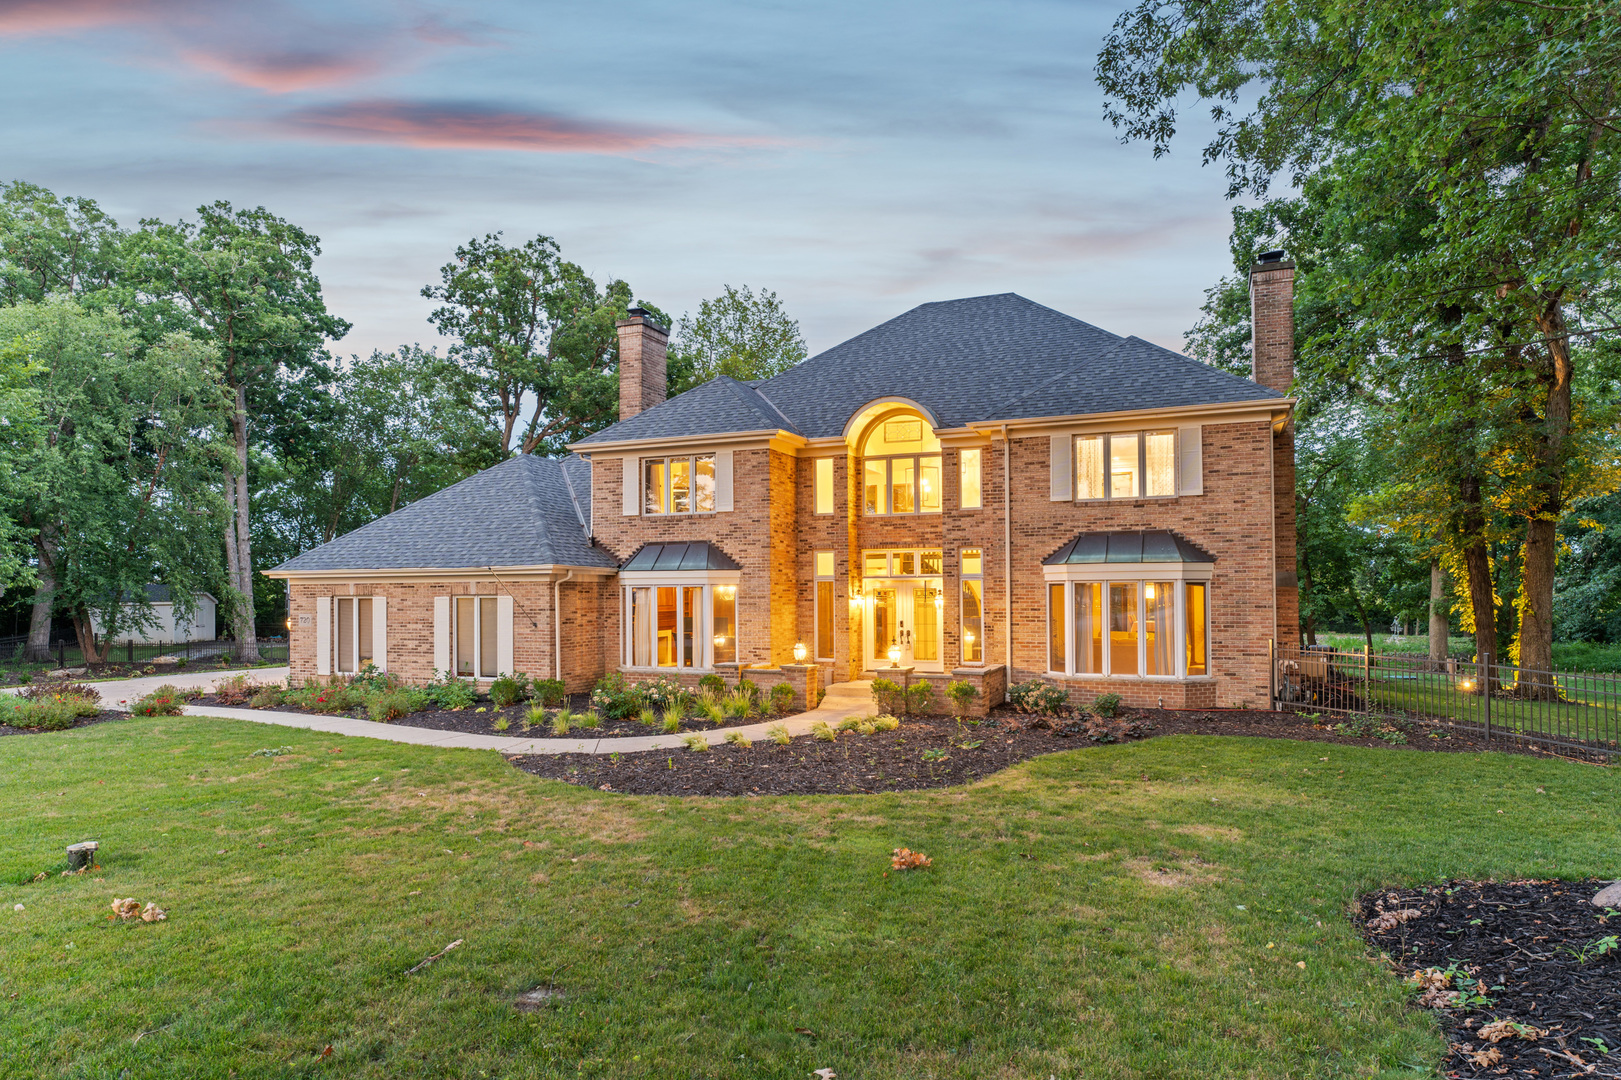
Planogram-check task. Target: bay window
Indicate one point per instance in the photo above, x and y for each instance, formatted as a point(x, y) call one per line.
point(1153, 627)
point(1125, 465)
point(683, 625)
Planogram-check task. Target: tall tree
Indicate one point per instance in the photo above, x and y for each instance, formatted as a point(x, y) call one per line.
point(536, 335)
point(245, 281)
point(740, 333)
point(1499, 115)
point(124, 474)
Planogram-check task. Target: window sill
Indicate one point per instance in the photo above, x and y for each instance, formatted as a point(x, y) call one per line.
point(1087, 676)
point(627, 669)
point(678, 513)
point(1126, 499)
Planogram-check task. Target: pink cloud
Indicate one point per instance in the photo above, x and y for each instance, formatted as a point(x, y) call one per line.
point(24, 18)
point(479, 127)
point(284, 72)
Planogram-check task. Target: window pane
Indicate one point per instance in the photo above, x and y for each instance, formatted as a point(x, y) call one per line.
point(653, 501)
point(1160, 449)
point(466, 625)
point(883, 623)
point(972, 562)
point(928, 484)
point(681, 486)
point(345, 635)
point(691, 626)
point(363, 629)
point(704, 485)
point(486, 638)
point(1056, 660)
point(875, 473)
point(902, 477)
point(929, 562)
point(1160, 601)
point(926, 617)
point(824, 620)
point(641, 628)
point(1197, 663)
point(877, 564)
point(973, 645)
point(666, 626)
point(824, 485)
point(1123, 628)
point(1089, 467)
point(824, 564)
point(1089, 627)
point(725, 624)
point(1123, 467)
point(970, 479)
point(904, 562)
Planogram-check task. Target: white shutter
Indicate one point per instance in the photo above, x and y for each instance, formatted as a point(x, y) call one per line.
point(503, 634)
point(441, 635)
point(1190, 449)
point(1063, 489)
point(723, 479)
point(633, 487)
point(323, 635)
point(379, 632)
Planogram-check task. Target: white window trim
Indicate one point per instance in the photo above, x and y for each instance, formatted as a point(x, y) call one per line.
point(979, 577)
point(676, 579)
point(917, 484)
point(1138, 574)
point(503, 636)
point(1141, 435)
point(692, 475)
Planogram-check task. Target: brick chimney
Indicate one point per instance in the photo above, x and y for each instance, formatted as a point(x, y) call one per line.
point(1272, 321)
point(642, 342)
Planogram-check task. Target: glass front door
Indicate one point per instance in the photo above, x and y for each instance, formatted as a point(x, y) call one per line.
point(907, 614)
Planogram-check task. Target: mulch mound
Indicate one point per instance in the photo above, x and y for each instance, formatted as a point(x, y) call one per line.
point(83, 721)
point(1525, 975)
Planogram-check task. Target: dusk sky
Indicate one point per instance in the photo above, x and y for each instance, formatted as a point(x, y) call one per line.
point(857, 158)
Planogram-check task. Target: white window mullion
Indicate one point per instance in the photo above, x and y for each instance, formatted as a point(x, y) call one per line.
point(1070, 642)
point(1107, 613)
point(1179, 631)
point(1142, 630)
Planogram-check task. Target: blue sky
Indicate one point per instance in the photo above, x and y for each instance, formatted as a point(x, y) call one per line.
point(858, 158)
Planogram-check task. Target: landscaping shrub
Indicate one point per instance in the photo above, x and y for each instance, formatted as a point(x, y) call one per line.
point(535, 715)
point(671, 723)
point(590, 721)
point(508, 690)
point(615, 698)
point(562, 721)
point(448, 692)
point(886, 723)
point(371, 680)
point(501, 723)
point(737, 738)
point(663, 693)
point(1036, 697)
point(236, 690)
point(886, 694)
point(782, 698)
point(712, 684)
point(712, 708)
point(962, 694)
point(696, 743)
point(164, 701)
point(1106, 705)
point(47, 691)
point(822, 732)
point(389, 705)
point(43, 713)
point(752, 689)
point(549, 692)
point(648, 717)
point(779, 735)
point(738, 704)
point(919, 697)
point(268, 697)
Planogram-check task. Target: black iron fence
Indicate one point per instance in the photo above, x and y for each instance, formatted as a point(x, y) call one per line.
point(65, 652)
point(1574, 710)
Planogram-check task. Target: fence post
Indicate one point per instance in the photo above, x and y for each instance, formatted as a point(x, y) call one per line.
point(61, 652)
point(131, 644)
point(1271, 674)
point(1486, 690)
point(1367, 679)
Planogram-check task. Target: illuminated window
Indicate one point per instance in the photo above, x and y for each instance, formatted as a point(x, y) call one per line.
point(973, 607)
point(901, 467)
point(826, 613)
point(971, 490)
point(1127, 465)
point(678, 485)
point(680, 626)
point(824, 485)
point(1154, 629)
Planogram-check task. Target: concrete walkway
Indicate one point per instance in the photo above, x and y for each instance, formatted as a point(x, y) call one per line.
point(842, 700)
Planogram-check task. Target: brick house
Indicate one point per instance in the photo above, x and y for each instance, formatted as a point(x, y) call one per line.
point(980, 489)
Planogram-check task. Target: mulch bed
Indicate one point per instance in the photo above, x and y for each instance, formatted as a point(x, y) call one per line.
point(1518, 947)
point(83, 721)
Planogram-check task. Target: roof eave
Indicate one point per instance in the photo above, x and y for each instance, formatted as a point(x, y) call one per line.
point(1272, 406)
point(420, 572)
point(726, 438)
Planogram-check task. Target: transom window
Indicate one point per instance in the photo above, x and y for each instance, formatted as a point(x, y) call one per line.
point(924, 563)
point(901, 466)
point(679, 485)
point(1125, 465)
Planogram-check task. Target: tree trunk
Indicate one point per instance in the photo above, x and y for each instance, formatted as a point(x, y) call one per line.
point(85, 630)
point(1438, 616)
point(38, 650)
point(1541, 549)
point(238, 542)
point(1478, 565)
point(1362, 613)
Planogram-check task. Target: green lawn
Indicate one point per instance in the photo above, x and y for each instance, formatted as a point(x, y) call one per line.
point(1101, 912)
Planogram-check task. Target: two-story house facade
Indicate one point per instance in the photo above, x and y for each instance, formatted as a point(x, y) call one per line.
point(981, 489)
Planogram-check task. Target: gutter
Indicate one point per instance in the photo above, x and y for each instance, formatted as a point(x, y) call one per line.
point(557, 622)
point(1007, 545)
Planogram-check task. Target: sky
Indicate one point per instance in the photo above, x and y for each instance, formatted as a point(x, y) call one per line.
point(857, 158)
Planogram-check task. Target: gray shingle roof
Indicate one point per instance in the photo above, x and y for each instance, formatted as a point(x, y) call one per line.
point(996, 357)
point(526, 511)
point(1141, 546)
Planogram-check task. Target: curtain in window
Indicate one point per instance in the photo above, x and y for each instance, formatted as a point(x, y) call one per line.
point(1160, 451)
point(466, 628)
point(1196, 605)
point(691, 601)
point(1056, 658)
point(725, 624)
point(1089, 467)
point(363, 630)
point(641, 627)
point(1123, 466)
point(1088, 628)
point(486, 637)
point(345, 635)
point(666, 626)
point(654, 489)
point(1123, 628)
point(1160, 601)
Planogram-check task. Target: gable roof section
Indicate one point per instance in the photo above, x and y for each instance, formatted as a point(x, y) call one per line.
point(1140, 546)
point(526, 511)
point(982, 358)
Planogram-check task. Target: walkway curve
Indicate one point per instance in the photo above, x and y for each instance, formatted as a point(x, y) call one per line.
point(842, 700)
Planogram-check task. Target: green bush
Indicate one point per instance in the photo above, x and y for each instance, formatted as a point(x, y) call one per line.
point(164, 701)
point(449, 692)
point(549, 692)
point(508, 690)
point(1106, 704)
point(782, 698)
point(962, 694)
point(389, 705)
point(737, 705)
point(50, 691)
point(337, 699)
point(663, 693)
point(1035, 696)
point(45, 713)
point(886, 694)
point(268, 697)
point(919, 697)
point(615, 698)
point(648, 717)
point(712, 684)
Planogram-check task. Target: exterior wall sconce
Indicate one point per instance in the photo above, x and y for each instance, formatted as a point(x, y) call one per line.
point(800, 652)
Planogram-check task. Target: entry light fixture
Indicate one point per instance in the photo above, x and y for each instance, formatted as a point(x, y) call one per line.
point(800, 652)
point(894, 656)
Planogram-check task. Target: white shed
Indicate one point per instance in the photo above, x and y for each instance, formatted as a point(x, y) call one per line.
point(163, 629)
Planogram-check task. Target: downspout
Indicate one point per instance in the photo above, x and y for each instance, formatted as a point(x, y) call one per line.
point(557, 622)
point(1007, 544)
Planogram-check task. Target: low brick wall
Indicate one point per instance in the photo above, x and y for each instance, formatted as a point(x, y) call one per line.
point(805, 679)
point(991, 683)
point(1140, 693)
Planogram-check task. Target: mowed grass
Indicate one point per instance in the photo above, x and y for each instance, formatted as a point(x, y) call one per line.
point(1133, 911)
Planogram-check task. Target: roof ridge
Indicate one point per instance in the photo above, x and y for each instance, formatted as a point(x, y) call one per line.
point(761, 395)
point(537, 503)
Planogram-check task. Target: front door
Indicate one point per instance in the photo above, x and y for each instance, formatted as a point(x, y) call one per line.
point(906, 613)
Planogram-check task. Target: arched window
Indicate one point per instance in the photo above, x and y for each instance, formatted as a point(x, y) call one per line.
point(901, 465)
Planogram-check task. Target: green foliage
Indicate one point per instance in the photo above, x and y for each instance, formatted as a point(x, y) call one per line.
point(385, 705)
point(778, 734)
point(164, 701)
point(671, 723)
point(57, 691)
point(1036, 697)
point(534, 716)
point(696, 744)
point(48, 714)
point(712, 709)
point(886, 694)
point(821, 732)
point(738, 704)
point(1106, 705)
point(648, 717)
point(615, 698)
point(549, 692)
point(886, 722)
point(919, 697)
point(738, 739)
point(562, 720)
point(712, 684)
point(590, 721)
point(663, 693)
point(962, 694)
point(268, 697)
point(509, 690)
point(782, 698)
point(740, 334)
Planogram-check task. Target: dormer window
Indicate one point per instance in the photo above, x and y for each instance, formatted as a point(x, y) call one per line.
point(901, 466)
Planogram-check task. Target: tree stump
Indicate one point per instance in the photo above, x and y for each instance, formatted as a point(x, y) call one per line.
point(82, 855)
